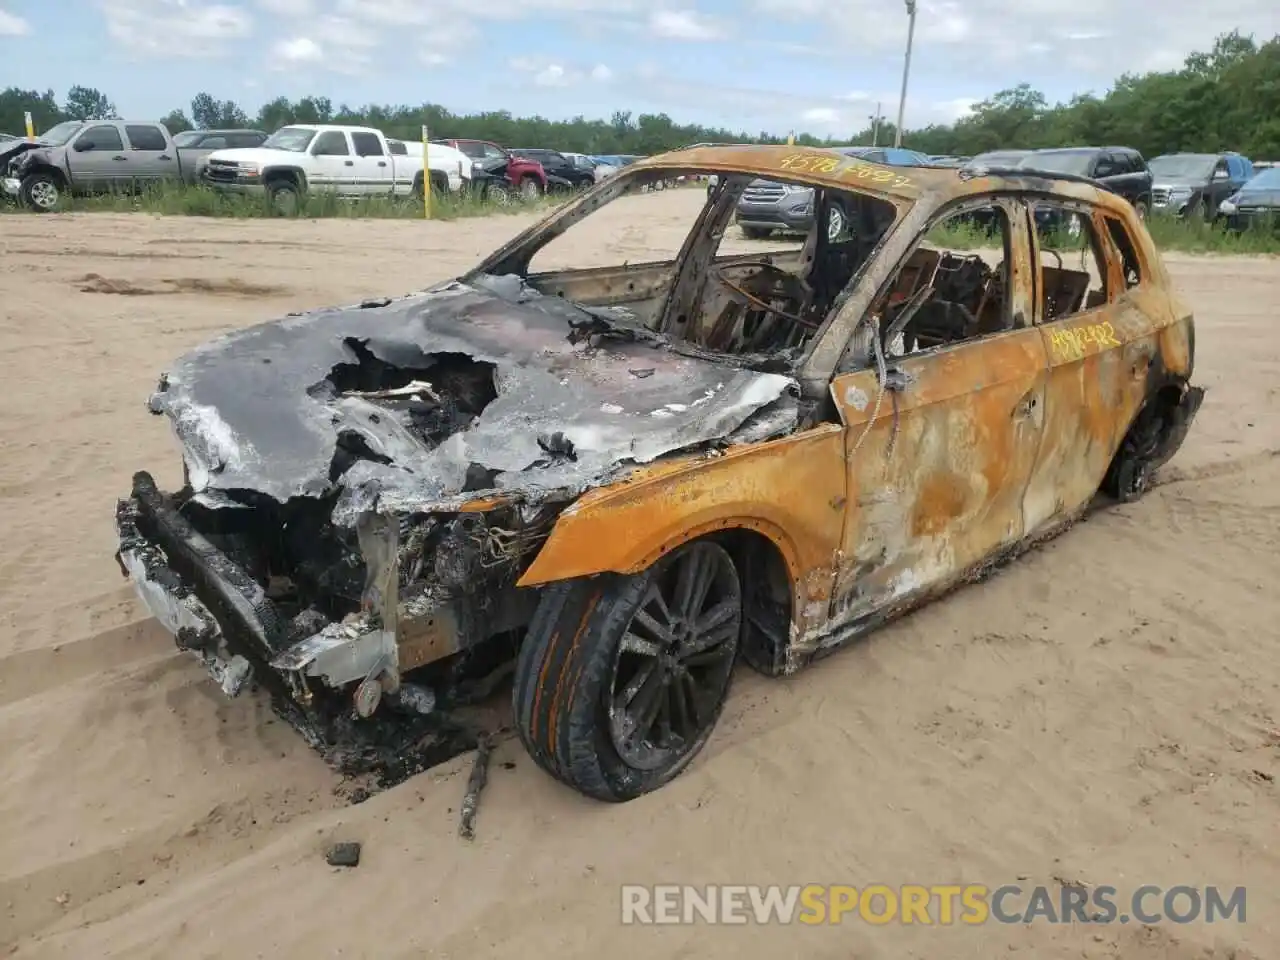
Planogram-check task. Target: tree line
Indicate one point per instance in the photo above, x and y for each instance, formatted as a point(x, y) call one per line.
point(1227, 98)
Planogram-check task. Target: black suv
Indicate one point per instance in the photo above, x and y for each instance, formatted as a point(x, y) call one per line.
point(1118, 169)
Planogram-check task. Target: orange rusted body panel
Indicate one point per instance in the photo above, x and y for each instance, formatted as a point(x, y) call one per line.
point(980, 450)
point(790, 490)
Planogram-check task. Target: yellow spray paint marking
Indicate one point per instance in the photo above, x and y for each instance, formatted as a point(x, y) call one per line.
point(1074, 344)
point(809, 163)
point(849, 168)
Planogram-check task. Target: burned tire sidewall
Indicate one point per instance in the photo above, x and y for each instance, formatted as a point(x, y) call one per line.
point(563, 684)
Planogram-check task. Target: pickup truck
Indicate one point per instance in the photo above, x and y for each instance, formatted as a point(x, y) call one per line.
point(524, 174)
point(197, 145)
point(324, 158)
point(89, 156)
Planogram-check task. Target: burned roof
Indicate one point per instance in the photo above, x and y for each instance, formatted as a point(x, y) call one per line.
point(829, 168)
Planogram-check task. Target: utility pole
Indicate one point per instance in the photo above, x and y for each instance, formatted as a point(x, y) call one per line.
point(875, 127)
point(906, 70)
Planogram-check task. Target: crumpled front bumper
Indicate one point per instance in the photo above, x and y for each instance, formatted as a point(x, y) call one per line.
point(221, 614)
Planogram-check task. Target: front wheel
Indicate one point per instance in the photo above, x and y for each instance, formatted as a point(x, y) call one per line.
point(284, 198)
point(1143, 208)
point(40, 192)
point(621, 679)
point(529, 189)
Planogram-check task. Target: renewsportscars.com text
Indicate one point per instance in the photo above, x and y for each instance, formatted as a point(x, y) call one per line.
point(935, 904)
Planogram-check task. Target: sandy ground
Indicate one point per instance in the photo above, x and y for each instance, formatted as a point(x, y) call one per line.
point(1105, 711)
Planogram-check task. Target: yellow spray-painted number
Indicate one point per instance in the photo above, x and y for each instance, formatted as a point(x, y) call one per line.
point(808, 163)
point(1073, 344)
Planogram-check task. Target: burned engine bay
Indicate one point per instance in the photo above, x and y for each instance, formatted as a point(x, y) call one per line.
point(365, 485)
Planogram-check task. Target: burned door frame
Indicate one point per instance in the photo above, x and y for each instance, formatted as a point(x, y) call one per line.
point(937, 467)
point(1098, 360)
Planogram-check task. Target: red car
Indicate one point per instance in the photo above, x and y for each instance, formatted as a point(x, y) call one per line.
point(524, 174)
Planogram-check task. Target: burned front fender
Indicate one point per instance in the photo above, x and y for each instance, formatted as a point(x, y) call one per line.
point(790, 490)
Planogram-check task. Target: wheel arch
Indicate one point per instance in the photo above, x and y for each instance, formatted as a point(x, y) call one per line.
point(59, 175)
point(580, 550)
point(275, 174)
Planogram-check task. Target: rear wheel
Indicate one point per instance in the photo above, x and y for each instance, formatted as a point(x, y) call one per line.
point(529, 189)
point(1129, 476)
point(621, 680)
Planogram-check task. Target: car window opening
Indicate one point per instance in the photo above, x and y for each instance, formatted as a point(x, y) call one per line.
point(941, 296)
point(1131, 266)
point(1072, 267)
point(709, 284)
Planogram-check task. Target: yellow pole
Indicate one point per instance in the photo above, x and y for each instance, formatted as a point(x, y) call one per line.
point(426, 173)
point(31, 127)
point(791, 139)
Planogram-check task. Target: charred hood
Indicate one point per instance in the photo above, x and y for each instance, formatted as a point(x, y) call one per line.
point(424, 402)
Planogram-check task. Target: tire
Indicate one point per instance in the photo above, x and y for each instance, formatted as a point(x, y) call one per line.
point(1143, 209)
point(1129, 475)
point(499, 195)
point(530, 189)
point(756, 233)
point(40, 192)
point(592, 661)
point(284, 197)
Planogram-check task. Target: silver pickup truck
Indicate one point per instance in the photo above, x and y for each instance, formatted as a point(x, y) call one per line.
point(90, 156)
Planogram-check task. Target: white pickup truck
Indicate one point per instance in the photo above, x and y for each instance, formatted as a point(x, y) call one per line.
point(324, 158)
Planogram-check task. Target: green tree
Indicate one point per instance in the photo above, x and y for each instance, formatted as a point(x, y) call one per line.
point(209, 113)
point(176, 121)
point(88, 103)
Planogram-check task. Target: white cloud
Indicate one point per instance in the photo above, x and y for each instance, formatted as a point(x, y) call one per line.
point(821, 116)
point(683, 25)
point(175, 27)
point(440, 45)
point(550, 73)
point(12, 25)
point(1002, 42)
point(288, 8)
point(298, 50)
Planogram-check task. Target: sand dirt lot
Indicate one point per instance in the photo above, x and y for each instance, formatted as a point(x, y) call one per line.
point(1105, 711)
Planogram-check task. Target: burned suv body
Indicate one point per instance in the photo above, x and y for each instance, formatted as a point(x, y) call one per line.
point(640, 473)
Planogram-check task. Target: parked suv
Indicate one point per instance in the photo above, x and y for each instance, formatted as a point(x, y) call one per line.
point(1118, 169)
point(1197, 183)
point(524, 174)
point(766, 206)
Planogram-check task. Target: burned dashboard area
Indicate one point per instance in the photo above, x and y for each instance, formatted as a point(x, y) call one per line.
point(366, 485)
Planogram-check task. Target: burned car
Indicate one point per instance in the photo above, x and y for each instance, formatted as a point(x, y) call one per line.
point(641, 474)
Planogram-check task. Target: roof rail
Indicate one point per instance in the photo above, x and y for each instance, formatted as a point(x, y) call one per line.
point(969, 172)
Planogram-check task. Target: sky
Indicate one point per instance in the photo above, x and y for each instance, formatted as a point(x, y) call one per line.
point(819, 66)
